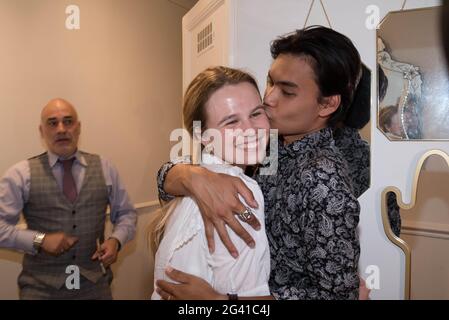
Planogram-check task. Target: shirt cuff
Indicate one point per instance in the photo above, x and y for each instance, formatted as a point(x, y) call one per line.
point(24, 241)
point(120, 236)
point(162, 174)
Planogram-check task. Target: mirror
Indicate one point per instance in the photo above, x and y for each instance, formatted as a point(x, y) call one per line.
point(413, 85)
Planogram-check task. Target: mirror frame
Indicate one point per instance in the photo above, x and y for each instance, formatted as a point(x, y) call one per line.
point(413, 77)
point(406, 206)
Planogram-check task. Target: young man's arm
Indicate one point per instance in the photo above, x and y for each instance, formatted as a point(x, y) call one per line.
point(217, 197)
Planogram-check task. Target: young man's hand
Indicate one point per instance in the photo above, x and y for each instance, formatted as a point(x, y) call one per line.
point(217, 197)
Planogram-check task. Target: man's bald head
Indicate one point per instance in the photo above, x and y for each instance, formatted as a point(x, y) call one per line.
point(58, 104)
point(60, 127)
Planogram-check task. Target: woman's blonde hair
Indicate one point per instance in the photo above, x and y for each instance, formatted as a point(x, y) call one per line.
point(204, 86)
point(198, 93)
point(156, 226)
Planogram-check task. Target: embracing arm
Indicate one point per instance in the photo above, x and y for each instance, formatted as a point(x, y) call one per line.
point(216, 195)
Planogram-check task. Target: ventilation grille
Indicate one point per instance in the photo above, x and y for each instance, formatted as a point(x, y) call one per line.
point(204, 38)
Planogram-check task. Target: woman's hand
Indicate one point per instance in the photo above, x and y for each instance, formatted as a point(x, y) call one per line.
point(363, 290)
point(189, 287)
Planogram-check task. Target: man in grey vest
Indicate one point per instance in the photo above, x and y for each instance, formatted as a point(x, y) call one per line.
point(64, 194)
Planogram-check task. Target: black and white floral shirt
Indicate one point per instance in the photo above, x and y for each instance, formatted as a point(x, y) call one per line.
point(311, 216)
point(311, 220)
point(356, 152)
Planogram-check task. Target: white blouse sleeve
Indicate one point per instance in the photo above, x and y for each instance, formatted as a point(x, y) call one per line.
point(183, 245)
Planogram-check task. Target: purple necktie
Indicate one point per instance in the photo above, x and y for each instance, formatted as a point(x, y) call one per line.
point(68, 183)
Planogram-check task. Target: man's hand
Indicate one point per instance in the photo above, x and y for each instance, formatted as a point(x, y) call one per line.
point(216, 195)
point(107, 252)
point(189, 287)
point(57, 243)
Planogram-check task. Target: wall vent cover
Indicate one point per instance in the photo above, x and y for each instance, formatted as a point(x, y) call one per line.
point(204, 38)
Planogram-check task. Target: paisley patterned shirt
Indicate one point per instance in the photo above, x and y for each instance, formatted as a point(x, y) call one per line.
point(311, 215)
point(356, 152)
point(311, 219)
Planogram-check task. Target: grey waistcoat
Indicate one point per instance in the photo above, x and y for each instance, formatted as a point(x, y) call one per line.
point(48, 210)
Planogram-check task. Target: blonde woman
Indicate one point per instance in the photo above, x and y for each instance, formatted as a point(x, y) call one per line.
point(228, 105)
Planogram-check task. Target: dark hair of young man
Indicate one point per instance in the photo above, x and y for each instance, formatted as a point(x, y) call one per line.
point(382, 82)
point(445, 28)
point(358, 113)
point(334, 59)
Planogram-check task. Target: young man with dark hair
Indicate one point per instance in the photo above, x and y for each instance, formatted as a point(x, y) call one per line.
point(354, 149)
point(311, 210)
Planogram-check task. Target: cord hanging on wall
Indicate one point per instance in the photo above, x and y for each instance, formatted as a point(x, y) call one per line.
point(403, 5)
point(324, 10)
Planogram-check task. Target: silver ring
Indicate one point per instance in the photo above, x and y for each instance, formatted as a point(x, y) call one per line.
point(245, 215)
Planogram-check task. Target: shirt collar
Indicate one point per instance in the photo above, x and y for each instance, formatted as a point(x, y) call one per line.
point(307, 143)
point(53, 158)
point(208, 159)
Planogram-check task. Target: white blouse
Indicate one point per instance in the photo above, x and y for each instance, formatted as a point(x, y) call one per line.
point(184, 245)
